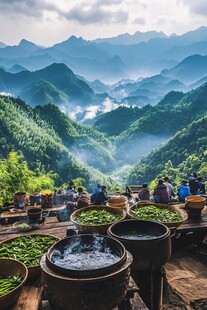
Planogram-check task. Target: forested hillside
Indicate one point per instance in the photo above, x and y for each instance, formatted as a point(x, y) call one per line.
point(26, 130)
point(183, 154)
point(55, 83)
point(164, 119)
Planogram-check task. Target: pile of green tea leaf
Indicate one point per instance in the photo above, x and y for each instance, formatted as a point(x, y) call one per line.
point(27, 249)
point(8, 284)
point(154, 213)
point(96, 217)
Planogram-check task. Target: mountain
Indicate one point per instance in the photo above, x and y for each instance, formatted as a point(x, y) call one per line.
point(135, 38)
point(25, 48)
point(55, 83)
point(189, 70)
point(147, 90)
point(184, 153)
point(16, 69)
point(141, 54)
point(49, 140)
point(115, 122)
point(2, 45)
point(173, 113)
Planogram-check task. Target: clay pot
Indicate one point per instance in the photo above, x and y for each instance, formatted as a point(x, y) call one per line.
point(84, 241)
point(148, 252)
point(195, 202)
point(34, 214)
point(91, 293)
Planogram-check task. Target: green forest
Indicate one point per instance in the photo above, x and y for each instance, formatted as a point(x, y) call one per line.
point(41, 147)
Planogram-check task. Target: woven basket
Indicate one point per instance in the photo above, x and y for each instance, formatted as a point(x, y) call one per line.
point(183, 213)
point(100, 229)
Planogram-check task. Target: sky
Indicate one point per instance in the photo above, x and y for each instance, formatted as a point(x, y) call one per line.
point(46, 22)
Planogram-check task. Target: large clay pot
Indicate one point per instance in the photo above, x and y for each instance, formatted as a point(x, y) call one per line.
point(148, 253)
point(102, 291)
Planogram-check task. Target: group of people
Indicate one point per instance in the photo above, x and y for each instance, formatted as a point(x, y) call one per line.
point(194, 186)
point(83, 199)
point(163, 191)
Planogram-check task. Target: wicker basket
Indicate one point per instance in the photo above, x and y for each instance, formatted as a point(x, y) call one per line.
point(100, 229)
point(12, 267)
point(33, 271)
point(183, 213)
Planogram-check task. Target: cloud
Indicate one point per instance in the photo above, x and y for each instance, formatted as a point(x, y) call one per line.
point(83, 12)
point(196, 7)
point(33, 8)
point(97, 12)
point(139, 21)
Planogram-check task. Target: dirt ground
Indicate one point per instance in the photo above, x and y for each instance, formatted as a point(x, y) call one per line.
point(186, 285)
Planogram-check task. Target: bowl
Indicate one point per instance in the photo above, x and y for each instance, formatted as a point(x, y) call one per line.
point(195, 202)
point(12, 267)
point(117, 202)
point(34, 214)
point(19, 248)
point(96, 228)
point(173, 209)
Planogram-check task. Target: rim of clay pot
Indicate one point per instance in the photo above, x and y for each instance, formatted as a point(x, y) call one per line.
point(117, 247)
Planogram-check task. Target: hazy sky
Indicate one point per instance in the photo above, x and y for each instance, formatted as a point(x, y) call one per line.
point(47, 22)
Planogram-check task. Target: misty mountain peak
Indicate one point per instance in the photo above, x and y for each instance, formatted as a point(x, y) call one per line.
point(27, 45)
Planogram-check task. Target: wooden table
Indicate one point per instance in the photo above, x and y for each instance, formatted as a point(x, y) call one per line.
point(31, 297)
point(6, 216)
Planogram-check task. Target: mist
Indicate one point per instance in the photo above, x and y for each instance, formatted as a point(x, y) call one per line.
point(80, 113)
point(130, 152)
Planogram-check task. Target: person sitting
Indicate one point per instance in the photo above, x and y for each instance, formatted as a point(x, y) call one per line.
point(144, 193)
point(102, 197)
point(183, 190)
point(193, 184)
point(83, 199)
point(161, 193)
point(170, 187)
point(95, 193)
point(201, 186)
point(71, 187)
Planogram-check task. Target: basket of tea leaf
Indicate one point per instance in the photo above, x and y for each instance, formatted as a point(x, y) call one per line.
point(13, 275)
point(96, 219)
point(162, 213)
point(28, 249)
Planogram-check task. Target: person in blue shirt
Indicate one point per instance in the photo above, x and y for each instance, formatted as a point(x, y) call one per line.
point(201, 186)
point(95, 193)
point(102, 197)
point(183, 190)
point(193, 184)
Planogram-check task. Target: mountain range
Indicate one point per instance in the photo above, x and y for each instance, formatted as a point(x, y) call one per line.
point(104, 59)
point(152, 115)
